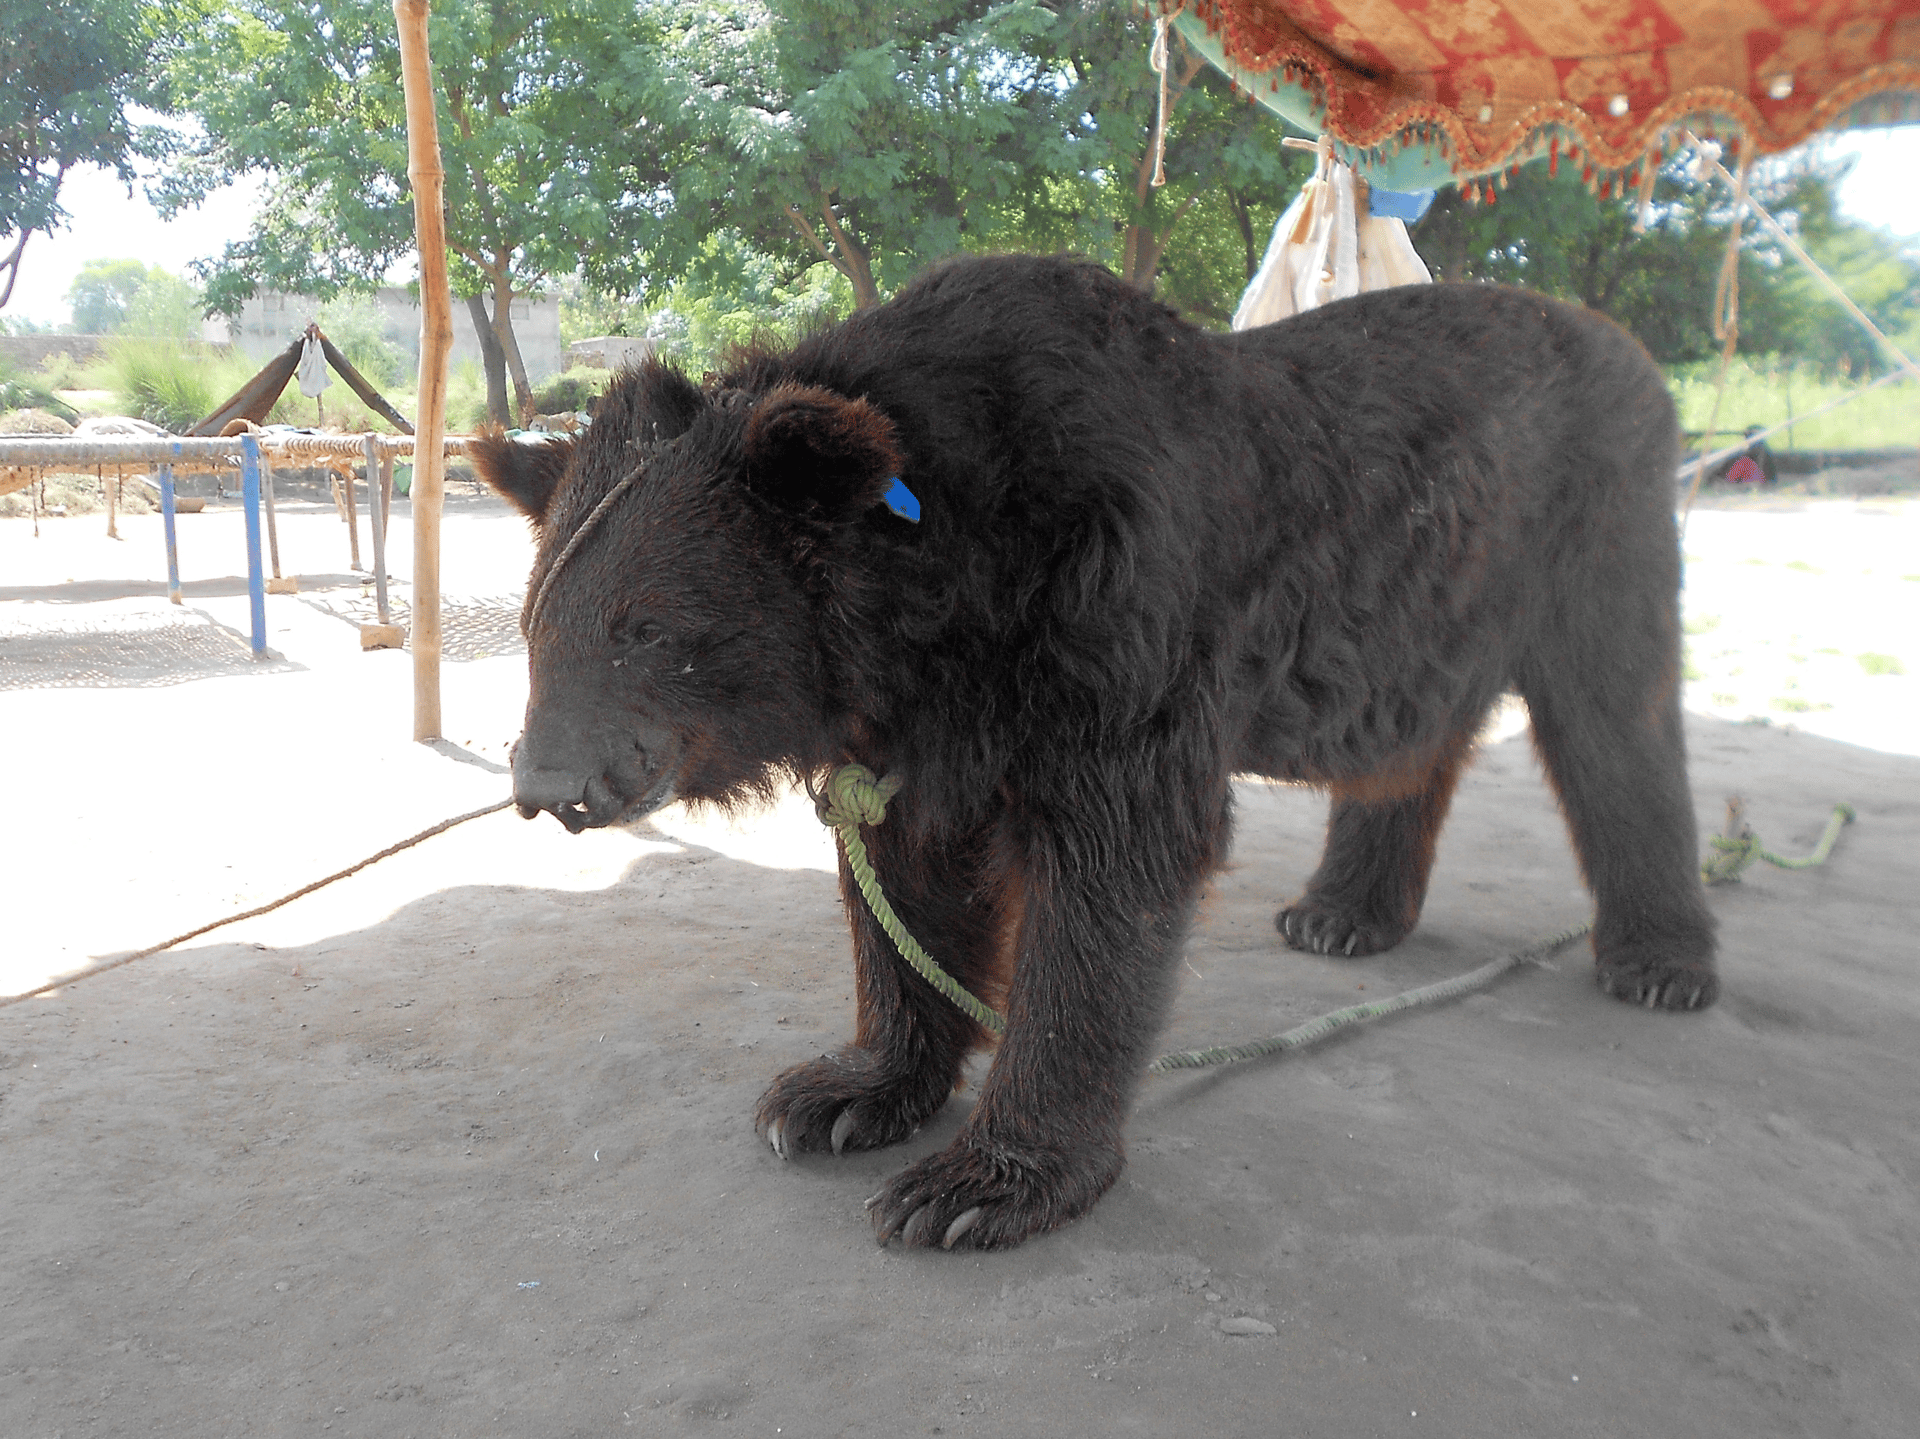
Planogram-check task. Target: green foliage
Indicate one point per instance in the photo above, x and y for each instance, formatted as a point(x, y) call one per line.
point(881, 138)
point(126, 297)
point(23, 392)
point(176, 385)
point(165, 307)
point(1880, 275)
point(310, 90)
point(1227, 177)
point(359, 331)
point(1765, 391)
point(735, 296)
point(61, 371)
point(1553, 235)
point(70, 67)
point(162, 384)
point(572, 391)
point(586, 312)
point(707, 171)
point(466, 397)
point(102, 293)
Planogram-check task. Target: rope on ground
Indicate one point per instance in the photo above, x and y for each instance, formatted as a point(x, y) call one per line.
point(854, 797)
point(1738, 847)
point(390, 850)
point(1317, 1029)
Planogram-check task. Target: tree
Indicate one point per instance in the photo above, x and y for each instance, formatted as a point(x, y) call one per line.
point(870, 137)
point(309, 91)
point(166, 306)
point(127, 297)
point(1552, 234)
point(1879, 274)
point(102, 294)
point(1227, 176)
point(69, 70)
point(878, 139)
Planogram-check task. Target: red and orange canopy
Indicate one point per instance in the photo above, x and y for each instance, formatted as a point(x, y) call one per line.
point(1484, 84)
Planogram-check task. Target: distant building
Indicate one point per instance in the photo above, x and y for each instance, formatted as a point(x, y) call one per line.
point(269, 320)
point(610, 352)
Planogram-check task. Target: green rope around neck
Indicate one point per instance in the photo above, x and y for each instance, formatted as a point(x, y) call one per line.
point(854, 797)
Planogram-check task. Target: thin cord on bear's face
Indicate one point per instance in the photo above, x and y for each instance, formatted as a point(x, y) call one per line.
point(649, 452)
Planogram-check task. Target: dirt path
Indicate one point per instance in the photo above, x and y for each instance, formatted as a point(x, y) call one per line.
point(461, 1146)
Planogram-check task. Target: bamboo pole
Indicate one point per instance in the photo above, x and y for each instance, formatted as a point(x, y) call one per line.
point(436, 338)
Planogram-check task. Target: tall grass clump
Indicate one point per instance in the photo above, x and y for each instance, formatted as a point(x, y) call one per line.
point(24, 392)
point(176, 386)
point(1763, 391)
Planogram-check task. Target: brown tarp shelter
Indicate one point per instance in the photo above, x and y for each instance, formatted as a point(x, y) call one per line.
point(1428, 91)
point(255, 399)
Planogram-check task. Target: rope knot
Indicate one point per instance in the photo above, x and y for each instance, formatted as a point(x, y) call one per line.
point(855, 797)
point(1731, 857)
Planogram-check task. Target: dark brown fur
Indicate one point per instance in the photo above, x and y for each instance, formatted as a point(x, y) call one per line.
point(1150, 558)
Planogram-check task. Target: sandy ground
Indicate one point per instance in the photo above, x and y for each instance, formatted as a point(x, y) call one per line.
point(461, 1146)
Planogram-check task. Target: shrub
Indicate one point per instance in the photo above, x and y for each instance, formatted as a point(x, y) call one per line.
point(574, 390)
point(359, 331)
point(176, 386)
point(19, 392)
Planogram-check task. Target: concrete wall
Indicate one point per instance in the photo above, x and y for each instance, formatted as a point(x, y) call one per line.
point(30, 352)
point(271, 319)
point(610, 352)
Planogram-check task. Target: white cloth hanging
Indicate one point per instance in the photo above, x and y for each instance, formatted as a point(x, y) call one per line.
point(1325, 249)
point(312, 371)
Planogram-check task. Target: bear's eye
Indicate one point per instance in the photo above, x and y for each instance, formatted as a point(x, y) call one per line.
point(639, 634)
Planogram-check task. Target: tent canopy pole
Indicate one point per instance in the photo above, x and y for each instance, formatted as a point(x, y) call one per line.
point(436, 339)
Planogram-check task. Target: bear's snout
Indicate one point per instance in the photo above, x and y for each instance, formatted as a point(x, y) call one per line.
point(587, 791)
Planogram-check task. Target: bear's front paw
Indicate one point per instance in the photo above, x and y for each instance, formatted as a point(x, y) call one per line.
point(1656, 978)
point(843, 1101)
point(1321, 929)
point(979, 1194)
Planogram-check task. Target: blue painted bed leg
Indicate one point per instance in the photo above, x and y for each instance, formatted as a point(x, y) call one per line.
point(256, 583)
point(173, 545)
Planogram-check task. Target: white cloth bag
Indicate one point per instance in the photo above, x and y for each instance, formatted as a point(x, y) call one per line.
point(312, 371)
point(1324, 249)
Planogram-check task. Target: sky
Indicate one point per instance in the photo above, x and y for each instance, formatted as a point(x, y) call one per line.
point(108, 224)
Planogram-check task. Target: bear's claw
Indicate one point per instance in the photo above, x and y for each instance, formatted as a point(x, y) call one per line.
point(979, 1193)
point(960, 1226)
point(1306, 926)
point(1659, 985)
point(844, 1101)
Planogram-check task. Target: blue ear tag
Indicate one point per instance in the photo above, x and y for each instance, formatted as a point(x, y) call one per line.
point(901, 501)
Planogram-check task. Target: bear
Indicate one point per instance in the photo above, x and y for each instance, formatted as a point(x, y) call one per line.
point(1061, 564)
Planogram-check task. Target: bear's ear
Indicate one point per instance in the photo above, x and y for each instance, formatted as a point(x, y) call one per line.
point(524, 474)
point(815, 453)
point(668, 398)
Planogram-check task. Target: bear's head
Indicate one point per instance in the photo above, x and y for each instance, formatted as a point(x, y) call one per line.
point(684, 547)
